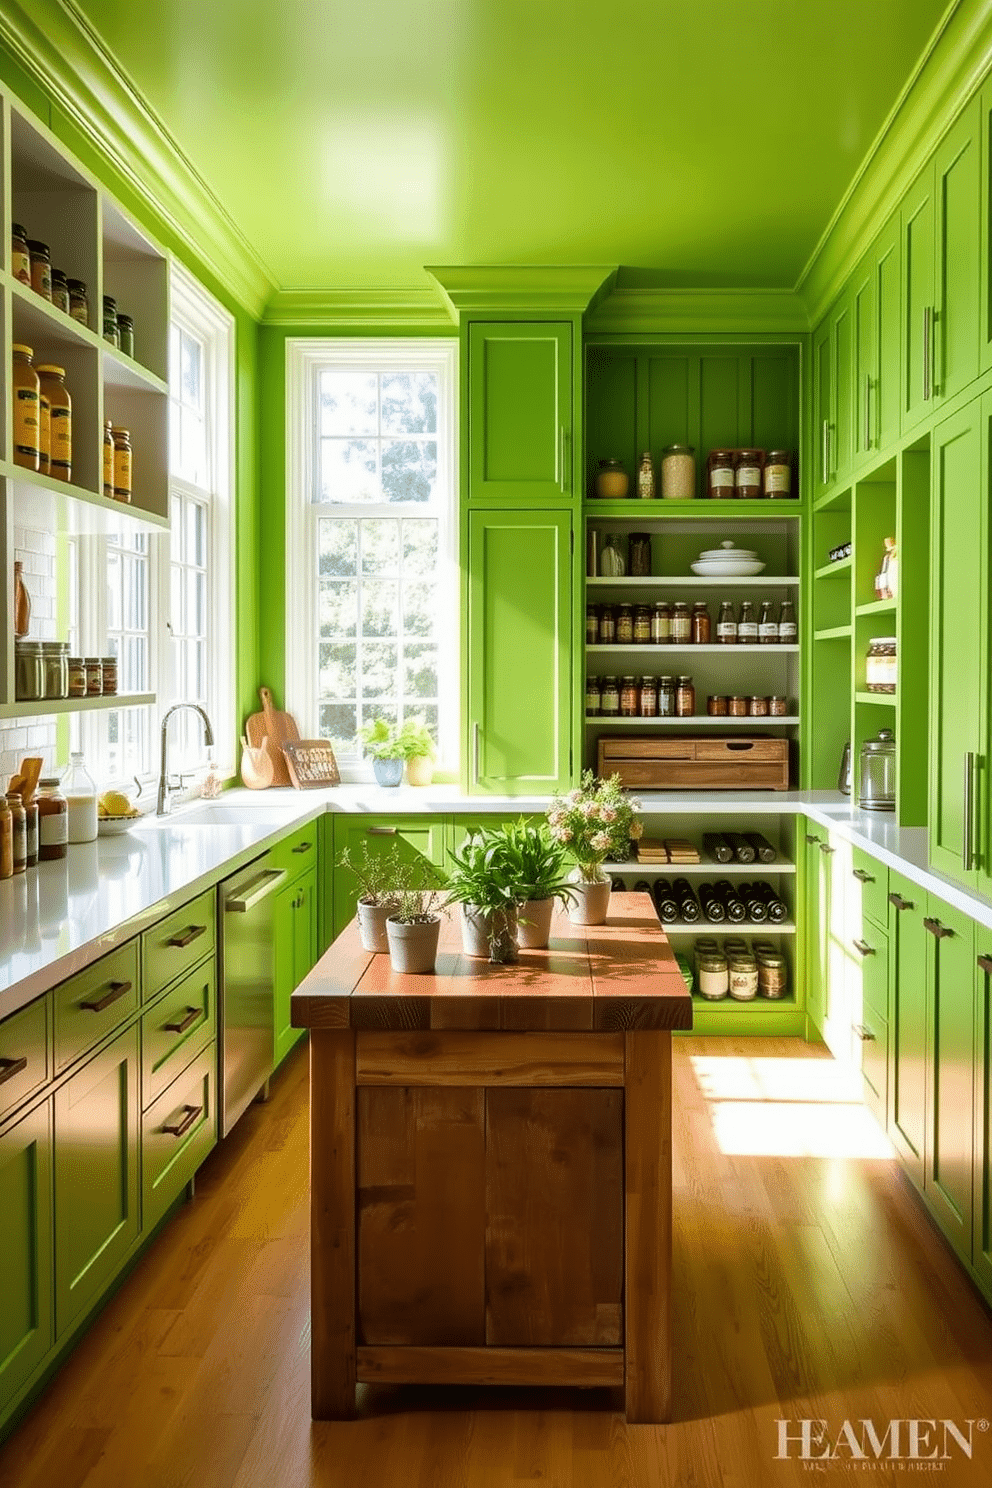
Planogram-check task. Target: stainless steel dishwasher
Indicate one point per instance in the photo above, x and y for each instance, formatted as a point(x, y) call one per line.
point(247, 985)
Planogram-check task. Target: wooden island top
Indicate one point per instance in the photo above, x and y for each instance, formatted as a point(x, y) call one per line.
point(491, 1164)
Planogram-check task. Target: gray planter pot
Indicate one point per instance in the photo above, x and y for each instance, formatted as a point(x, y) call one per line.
point(490, 934)
point(387, 771)
point(413, 947)
point(591, 904)
point(372, 925)
point(534, 924)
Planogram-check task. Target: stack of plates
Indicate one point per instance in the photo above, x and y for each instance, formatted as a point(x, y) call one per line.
point(727, 562)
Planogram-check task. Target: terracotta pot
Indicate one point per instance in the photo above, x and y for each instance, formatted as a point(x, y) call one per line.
point(419, 770)
point(490, 933)
point(534, 924)
point(387, 771)
point(372, 925)
point(591, 904)
point(413, 947)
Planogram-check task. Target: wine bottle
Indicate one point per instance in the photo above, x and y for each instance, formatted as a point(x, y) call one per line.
point(762, 847)
point(743, 851)
point(732, 901)
point(616, 882)
point(712, 903)
point(775, 908)
point(642, 886)
point(688, 904)
point(665, 901)
point(753, 902)
point(717, 847)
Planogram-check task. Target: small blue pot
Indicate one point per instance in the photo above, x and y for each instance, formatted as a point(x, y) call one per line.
point(388, 771)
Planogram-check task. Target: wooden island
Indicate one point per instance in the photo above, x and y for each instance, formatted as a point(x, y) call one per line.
point(491, 1164)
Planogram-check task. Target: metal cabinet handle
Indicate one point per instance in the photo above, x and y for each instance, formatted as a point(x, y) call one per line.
point(117, 991)
point(303, 847)
point(564, 483)
point(864, 1034)
point(192, 1013)
point(380, 831)
point(475, 753)
point(256, 889)
point(811, 838)
point(825, 452)
point(937, 930)
point(863, 948)
point(11, 1067)
point(927, 340)
point(968, 807)
point(900, 903)
point(867, 411)
point(985, 963)
point(180, 1128)
point(863, 875)
point(826, 848)
point(193, 933)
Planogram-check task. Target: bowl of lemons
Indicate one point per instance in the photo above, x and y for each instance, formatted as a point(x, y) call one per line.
point(116, 813)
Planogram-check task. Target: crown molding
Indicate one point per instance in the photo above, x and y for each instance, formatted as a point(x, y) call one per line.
point(59, 51)
point(522, 289)
point(409, 310)
point(637, 311)
point(947, 75)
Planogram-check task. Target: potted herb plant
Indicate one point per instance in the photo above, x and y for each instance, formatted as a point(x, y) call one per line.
point(383, 742)
point(418, 751)
point(486, 882)
point(381, 878)
point(541, 866)
point(595, 823)
point(413, 928)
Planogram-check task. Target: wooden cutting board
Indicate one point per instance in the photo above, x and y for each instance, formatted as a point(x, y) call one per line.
point(279, 728)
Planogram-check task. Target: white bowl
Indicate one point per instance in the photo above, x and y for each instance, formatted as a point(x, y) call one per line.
point(114, 826)
point(726, 568)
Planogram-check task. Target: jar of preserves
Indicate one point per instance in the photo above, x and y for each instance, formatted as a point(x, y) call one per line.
point(661, 624)
point(700, 622)
point(681, 624)
point(716, 705)
point(613, 556)
point(612, 482)
point(122, 463)
point(726, 625)
point(55, 659)
point(743, 976)
point(788, 632)
point(640, 554)
point(685, 698)
point(27, 414)
point(649, 697)
point(678, 472)
point(607, 625)
point(29, 672)
point(79, 305)
point(592, 697)
point(713, 976)
point(44, 428)
point(125, 334)
point(20, 254)
point(77, 677)
point(642, 625)
point(881, 666)
point(777, 480)
point(94, 676)
point(6, 839)
point(60, 420)
point(609, 697)
point(773, 973)
point(31, 832)
point(720, 474)
point(757, 707)
point(60, 291)
point(53, 820)
point(666, 697)
point(767, 625)
point(778, 707)
point(41, 268)
point(110, 331)
point(625, 625)
point(108, 675)
point(592, 625)
point(19, 822)
point(737, 707)
point(747, 625)
point(747, 474)
point(645, 477)
point(630, 697)
point(108, 460)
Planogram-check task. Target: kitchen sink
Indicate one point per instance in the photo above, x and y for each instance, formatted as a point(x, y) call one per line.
point(219, 814)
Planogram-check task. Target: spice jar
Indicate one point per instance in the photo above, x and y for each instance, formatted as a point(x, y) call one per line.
point(613, 557)
point(713, 976)
point(661, 624)
point(716, 706)
point(609, 699)
point(53, 820)
point(612, 482)
point(700, 622)
point(640, 554)
point(592, 625)
point(20, 830)
point(108, 460)
point(773, 973)
point(29, 672)
point(55, 659)
point(110, 331)
point(666, 697)
point(678, 472)
point(767, 625)
point(726, 625)
point(747, 475)
point(592, 697)
point(60, 291)
point(77, 677)
point(53, 389)
point(645, 477)
point(125, 334)
point(777, 479)
point(743, 976)
point(642, 625)
point(31, 833)
point(26, 387)
point(630, 697)
point(649, 697)
point(720, 474)
point(788, 632)
point(681, 624)
point(778, 707)
point(122, 463)
point(685, 698)
point(20, 254)
point(881, 667)
point(6, 840)
point(625, 625)
point(108, 671)
point(44, 428)
point(737, 707)
point(747, 625)
point(94, 676)
point(79, 305)
point(757, 707)
point(41, 268)
point(607, 626)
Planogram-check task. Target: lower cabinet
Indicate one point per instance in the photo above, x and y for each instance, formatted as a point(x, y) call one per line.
point(950, 1069)
point(412, 836)
point(178, 1130)
point(295, 932)
point(908, 1032)
point(981, 1248)
point(27, 1322)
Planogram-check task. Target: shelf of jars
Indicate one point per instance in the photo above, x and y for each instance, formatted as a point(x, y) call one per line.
point(640, 648)
point(42, 706)
point(691, 721)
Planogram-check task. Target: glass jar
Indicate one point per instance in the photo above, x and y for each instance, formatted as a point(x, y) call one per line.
point(777, 475)
point(77, 677)
point(108, 675)
point(678, 472)
point(592, 697)
point(881, 666)
point(41, 268)
point(592, 625)
point(788, 632)
point(19, 834)
point(22, 602)
point(661, 624)
point(53, 819)
point(713, 978)
point(80, 795)
point(6, 840)
point(53, 389)
point(767, 625)
point(700, 621)
point(685, 698)
point(640, 554)
point(878, 773)
point(642, 625)
point(773, 974)
point(716, 705)
point(26, 389)
point(630, 697)
point(607, 625)
point(125, 334)
point(94, 676)
point(60, 291)
point(108, 460)
point(79, 305)
point(20, 254)
point(737, 707)
point(778, 707)
point(29, 672)
point(726, 625)
point(649, 697)
point(612, 482)
point(747, 474)
point(110, 331)
point(625, 625)
point(613, 557)
point(720, 474)
point(743, 976)
point(31, 833)
point(757, 707)
point(44, 428)
point(645, 477)
point(681, 624)
point(666, 697)
point(747, 625)
point(55, 658)
point(122, 463)
point(609, 700)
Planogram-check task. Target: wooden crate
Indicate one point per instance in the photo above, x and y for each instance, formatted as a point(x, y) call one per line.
point(681, 762)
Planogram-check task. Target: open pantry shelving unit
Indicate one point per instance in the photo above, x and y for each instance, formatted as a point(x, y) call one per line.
point(92, 239)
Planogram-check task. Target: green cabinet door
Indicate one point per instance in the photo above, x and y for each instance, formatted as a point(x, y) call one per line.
point(412, 836)
point(917, 219)
point(864, 303)
point(519, 413)
point(817, 917)
point(958, 644)
point(518, 652)
point(885, 406)
point(841, 443)
point(981, 1250)
point(908, 1026)
point(823, 402)
point(957, 177)
point(26, 1313)
point(97, 1126)
point(948, 1170)
point(294, 935)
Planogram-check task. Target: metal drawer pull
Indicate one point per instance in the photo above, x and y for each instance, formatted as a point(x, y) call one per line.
point(968, 812)
point(985, 962)
point(863, 948)
point(303, 847)
point(864, 1034)
point(825, 453)
point(900, 902)
point(810, 838)
point(867, 443)
point(380, 831)
point(193, 933)
point(191, 1016)
point(11, 1067)
point(863, 875)
point(180, 1128)
point(256, 888)
point(927, 354)
point(941, 932)
point(117, 991)
point(826, 848)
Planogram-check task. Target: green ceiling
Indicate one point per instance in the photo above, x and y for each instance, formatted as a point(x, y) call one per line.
point(703, 144)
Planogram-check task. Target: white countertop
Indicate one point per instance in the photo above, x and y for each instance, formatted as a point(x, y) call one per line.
point(61, 916)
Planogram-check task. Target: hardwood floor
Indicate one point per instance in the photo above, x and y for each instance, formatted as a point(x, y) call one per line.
point(805, 1286)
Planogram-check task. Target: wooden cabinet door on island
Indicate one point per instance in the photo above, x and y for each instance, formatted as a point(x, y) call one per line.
point(519, 413)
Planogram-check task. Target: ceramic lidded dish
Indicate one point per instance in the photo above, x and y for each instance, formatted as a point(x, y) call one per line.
point(727, 561)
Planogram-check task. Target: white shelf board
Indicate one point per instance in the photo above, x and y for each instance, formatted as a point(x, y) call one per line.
point(692, 581)
point(707, 869)
point(122, 371)
point(757, 928)
point(698, 720)
point(63, 507)
point(644, 648)
point(42, 706)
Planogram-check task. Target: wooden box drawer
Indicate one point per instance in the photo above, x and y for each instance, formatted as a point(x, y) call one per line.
point(178, 1131)
point(25, 1057)
point(662, 763)
point(178, 942)
point(94, 1003)
point(873, 877)
point(297, 852)
point(175, 1030)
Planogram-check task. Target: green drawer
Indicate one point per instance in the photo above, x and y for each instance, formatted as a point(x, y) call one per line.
point(177, 1133)
point(297, 852)
point(175, 1030)
point(178, 942)
point(94, 1003)
point(873, 877)
point(874, 1034)
point(871, 948)
point(25, 1056)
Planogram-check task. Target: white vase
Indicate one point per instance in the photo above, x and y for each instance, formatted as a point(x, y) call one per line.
point(534, 924)
point(419, 770)
point(591, 903)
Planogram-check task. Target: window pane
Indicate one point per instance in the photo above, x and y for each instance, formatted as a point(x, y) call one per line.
point(348, 470)
point(409, 403)
point(418, 609)
point(380, 546)
point(338, 670)
point(409, 469)
point(339, 723)
point(337, 547)
point(380, 607)
point(421, 671)
point(196, 533)
point(379, 659)
point(192, 448)
point(420, 539)
point(338, 610)
point(191, 371)
point(348, 403)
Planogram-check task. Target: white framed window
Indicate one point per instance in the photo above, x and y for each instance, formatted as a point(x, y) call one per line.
point(371, 540)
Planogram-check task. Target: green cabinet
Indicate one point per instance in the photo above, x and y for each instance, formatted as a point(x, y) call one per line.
point(294, 933)
point(917, 226)
point(950, 1069)
point(520, 446)
point(518, 651)
point(876, 307)
point(817, 919)
point(981, 1251)
point(833, 395)
point(413, 836)
point(908, 1028)
point(26, 1316)
point(97, 1130)
point(957, 190)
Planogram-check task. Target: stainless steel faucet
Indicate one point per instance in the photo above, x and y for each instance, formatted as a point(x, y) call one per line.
point(165, 785)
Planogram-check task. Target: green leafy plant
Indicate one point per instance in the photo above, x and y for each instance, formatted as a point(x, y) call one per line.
point(415, 740)
point(422, 895)
point(382, 740)
point(381, 876)
point(541, 862)
point(594, 822)
point(486, 872)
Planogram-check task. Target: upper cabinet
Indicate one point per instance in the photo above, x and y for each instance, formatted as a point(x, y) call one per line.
point(520, 413)
point(876, 310)
point(833, 395)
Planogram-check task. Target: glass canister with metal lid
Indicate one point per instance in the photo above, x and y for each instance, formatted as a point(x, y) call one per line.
point(743, 975)
point(712, 976)
point(878, 773)
point(29, 671)
point(678, 472)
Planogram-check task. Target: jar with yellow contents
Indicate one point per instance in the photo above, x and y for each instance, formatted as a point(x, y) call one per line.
point(122, 463)
point(26, 387)
point(56, 394)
